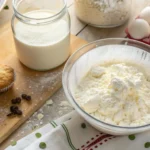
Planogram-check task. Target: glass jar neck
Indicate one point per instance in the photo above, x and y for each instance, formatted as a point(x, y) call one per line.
point(21, 16)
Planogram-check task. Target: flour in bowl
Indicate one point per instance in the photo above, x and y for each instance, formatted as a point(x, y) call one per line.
point(116, 93)
point(103, 12)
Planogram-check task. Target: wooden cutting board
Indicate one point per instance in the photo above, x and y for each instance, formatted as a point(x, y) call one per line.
point(40, 85)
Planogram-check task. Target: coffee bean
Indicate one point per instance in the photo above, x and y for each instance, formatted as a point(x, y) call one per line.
point(24, 96)
point(18, 100)
point(13, 101)
point(13, 109)
point(28, 98)
point(18, 112)
point(10, 114)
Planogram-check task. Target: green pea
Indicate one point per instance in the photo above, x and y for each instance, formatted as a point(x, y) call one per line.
point(13, 143)
point(38, 135)
point(147, 145)
point(42, 145)
point(131, 137)
point(83, 125)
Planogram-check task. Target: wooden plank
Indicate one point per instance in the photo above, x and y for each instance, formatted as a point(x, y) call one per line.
point(91, 33)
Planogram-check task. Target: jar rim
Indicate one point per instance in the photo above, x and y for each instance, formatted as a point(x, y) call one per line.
point(41, 20)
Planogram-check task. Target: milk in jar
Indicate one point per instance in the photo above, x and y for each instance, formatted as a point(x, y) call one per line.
point(42, 37)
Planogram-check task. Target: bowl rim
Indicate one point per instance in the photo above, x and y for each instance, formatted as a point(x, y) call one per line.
point(69, 96)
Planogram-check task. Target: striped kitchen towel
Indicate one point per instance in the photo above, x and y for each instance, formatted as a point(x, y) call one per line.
point(72, 132)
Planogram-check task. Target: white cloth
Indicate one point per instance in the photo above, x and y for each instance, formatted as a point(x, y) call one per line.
point(66, 133)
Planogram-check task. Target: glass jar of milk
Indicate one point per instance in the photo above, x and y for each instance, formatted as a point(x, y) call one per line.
point(41, 30)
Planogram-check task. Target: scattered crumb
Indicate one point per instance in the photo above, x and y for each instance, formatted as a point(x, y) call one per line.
point(34, 127)
point(34, 114)
point(60, 112)
point(41, 110)
point(49, 102)
point(65, 104)
point(40, 116)
point(41, 123)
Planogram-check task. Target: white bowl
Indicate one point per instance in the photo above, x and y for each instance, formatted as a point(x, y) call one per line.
point(97, 52)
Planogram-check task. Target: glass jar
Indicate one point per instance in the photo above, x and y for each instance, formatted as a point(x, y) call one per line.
point(41, 30)
point(103, 13)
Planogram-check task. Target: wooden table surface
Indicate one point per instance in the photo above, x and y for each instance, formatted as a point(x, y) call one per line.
point(79, 29)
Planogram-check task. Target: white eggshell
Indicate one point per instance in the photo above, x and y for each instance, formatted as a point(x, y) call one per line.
point(139, 29)
point(145, 14)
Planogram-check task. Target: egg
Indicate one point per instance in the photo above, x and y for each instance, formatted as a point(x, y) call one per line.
point(139, 29)
point(145, 14)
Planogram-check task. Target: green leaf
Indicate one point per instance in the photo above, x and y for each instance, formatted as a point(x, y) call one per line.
point(131, 137)
point(42, 145)
point(147, 145)
point(6, 7)
point(38, 135)
point(13, 143)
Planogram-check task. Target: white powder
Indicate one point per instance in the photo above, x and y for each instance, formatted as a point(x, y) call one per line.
point(116, 93)
point(49, 102)
point(65, 104)
point(103, 12)
point(40, 116)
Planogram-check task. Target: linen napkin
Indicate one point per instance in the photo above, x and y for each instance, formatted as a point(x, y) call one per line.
point(71, 132)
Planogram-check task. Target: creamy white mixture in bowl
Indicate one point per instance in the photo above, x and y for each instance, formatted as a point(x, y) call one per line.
point(108, 83)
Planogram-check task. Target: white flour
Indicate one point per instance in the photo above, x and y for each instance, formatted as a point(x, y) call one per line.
point(103, 12)
point(116, 93)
